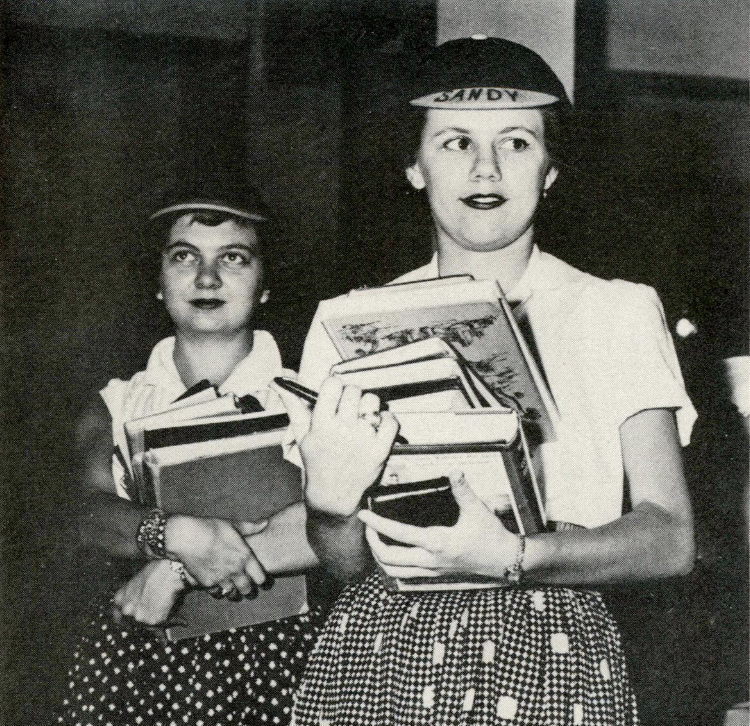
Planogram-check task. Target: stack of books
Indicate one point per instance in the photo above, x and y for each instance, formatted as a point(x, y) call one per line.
point(448, 359)
point(206, 458)
point(473, 316)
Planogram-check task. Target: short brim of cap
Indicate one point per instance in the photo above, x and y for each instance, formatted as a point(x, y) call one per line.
point(211, 207)
point(485, 99)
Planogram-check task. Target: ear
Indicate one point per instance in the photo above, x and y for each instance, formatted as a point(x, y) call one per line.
point(414, 175)
point(264, 296)
point(550, 177)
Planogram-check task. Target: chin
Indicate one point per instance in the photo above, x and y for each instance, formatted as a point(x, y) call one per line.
point(485, 245)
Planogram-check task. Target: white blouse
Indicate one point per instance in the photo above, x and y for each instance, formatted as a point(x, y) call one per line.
point(607, 354)
point(153, 389)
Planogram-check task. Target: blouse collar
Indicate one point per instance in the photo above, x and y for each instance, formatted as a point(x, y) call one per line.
point(252, 373)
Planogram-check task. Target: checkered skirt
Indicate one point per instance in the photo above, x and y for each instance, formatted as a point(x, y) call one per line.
point(516, 656)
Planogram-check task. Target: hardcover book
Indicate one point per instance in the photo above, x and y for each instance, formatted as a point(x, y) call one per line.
point(247, 481)
point(472, 315)
point(489, 448)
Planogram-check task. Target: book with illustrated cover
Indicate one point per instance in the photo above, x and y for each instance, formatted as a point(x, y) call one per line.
point(471, 315)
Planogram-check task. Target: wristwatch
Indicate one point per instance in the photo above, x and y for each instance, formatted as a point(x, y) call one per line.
point(514, 573)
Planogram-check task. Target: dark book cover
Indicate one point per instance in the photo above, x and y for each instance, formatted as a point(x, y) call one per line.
point(247, 485)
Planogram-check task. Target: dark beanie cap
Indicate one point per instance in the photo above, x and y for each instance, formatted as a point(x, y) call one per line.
point(484, 73)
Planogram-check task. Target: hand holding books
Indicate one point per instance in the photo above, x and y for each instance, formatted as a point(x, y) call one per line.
point(343, 454)
point(220, 474)
point(215, 551)
point(445, 553)
point(150, 595)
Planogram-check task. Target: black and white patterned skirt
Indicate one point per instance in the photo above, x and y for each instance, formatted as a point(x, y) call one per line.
point(125, 675)
point(515, 656)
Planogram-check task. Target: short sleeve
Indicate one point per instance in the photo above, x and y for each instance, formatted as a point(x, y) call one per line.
point(637, 361)
point(114, 394)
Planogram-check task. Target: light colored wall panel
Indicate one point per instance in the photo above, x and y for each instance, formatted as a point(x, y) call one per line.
point(689, 37)
point(546, 26)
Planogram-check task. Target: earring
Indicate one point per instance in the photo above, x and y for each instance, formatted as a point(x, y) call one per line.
point(160, 295)
point(544, 194)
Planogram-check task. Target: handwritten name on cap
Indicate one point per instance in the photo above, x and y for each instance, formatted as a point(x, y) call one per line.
point(485, 98)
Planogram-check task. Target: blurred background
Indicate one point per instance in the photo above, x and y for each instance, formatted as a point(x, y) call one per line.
point(103, 102)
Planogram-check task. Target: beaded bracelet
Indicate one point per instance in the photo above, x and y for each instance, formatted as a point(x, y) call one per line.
point(150, 535)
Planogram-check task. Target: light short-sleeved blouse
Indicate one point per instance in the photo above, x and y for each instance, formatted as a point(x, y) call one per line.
point(607, 354)
point(153, 389)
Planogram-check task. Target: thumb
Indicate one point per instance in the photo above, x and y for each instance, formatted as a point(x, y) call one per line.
point(463, 493)
point(299, 412)
point(248, 528)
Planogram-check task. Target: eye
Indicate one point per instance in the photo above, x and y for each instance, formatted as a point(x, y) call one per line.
point(236, 258)
point(515, 143)
point(182, 257)
point(460, 143)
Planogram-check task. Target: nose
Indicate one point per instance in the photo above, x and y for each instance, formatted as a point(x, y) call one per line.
point(207, 276)
point(486, 164)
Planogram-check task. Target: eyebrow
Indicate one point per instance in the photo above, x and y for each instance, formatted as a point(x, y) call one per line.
point(506, 130)
point(224, 248)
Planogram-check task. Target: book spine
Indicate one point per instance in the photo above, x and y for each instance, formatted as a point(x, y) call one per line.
point(177, 435)
point(525, 498)
point(149, 488)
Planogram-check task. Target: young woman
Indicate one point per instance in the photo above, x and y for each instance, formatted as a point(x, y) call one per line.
point(212, 280)
point(542, 649)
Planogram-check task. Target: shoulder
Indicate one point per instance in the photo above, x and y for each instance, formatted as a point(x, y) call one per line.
point(596, 297)
point(623, 302)
point(117, 391)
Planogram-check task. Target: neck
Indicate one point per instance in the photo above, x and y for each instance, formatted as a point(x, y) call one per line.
point(199, 358)
point(505, 265)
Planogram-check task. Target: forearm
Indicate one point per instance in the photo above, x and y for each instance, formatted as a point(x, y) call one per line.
point(649, 542)
point(110, 523)
point(282, 546)
point(340, 545)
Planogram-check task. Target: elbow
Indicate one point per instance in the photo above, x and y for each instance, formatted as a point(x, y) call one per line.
point(682, 550)
point(684, 559)
point(672, 539)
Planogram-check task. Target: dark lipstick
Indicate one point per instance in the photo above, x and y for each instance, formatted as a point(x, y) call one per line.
point(483, 201)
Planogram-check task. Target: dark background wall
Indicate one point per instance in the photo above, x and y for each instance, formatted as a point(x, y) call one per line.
point(99, 113)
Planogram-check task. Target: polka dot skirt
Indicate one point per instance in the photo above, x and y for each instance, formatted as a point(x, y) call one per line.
point(549, 656)
point(126, 676)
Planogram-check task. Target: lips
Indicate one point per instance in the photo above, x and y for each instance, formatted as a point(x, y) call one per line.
point(207, 304)
point(484, 201)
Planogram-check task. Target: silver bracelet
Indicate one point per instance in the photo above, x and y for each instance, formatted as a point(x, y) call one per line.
point(179, 568)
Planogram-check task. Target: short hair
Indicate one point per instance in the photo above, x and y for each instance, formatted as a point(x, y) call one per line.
point(148, 257)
